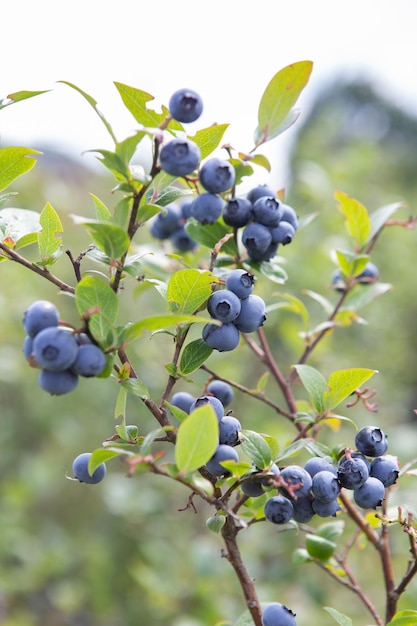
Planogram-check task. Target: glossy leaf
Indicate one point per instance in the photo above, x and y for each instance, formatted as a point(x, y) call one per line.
point(197, 439)
point(159, 322)
point(49, 238)
point(189, 289)
point(14, 162)
point(279, 98)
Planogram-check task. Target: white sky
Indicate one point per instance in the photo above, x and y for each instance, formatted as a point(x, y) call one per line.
point(226, 50)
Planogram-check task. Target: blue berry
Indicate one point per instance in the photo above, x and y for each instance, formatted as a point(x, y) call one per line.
point(223, 338)
point(55, 348)
point(252, 314)
point(256, 238)
point(207, 207)
point(303, 509)
point(297, 481)
point(240, 282)
point(326, 508)
point(183, 400)
point(90, 361)
point(357, 455)
point(39, 315)
point(386, 469)
point(259, 191)
point(254, 486)
point(278, 510)
point(27, 347)
point(352, 473)
point(229, 428)
point(370, 494)
point(221, 390)
point(325, 486)
point(224, 305)
point(289, 215)
point(266, 255)
point(237, 212)
point(283, 233)
point(276, 614)
point(371, 441)
point(369, 275)
point(182, 241)
point(317, 464)
point(166, 223)
point(185, 105)
point(213, 401)
point(223, 453)
point(57, 383)
point(179, 157)
point(267, 211)
point(217, 175)
point(80, 470)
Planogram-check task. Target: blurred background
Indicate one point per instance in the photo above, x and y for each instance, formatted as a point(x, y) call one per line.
point(121, 553)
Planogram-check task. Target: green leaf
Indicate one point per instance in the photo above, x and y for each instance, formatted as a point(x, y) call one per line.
point(256, 448)
point(197, 439)
point(189, 289)
point(147, 443)
point(102, 212)
point(120, 408)
point(208, 139)
point(295, 305)
point(362, 295)
point(300, 557)
point(108, 237)
point(102, 455)
point(96, 300)
point(160, 322)
point(380, 216)
point(18, 96)
point(136, 387)
point(280, 96)
point(272, 270)
point(16, 224)
point(358, 223)
point(293, 449)
point(331, 530)
point(136, 100)
point(343, 620)
point(319, 547)
point(315, 385)
point(178, 413)
point(262, 161)
point(114, 164)
point(209, 235)
point(344, 382)
point(404, 618)
point(48, 240)
point(14, 162)
point(92, 103)
point(193, 355)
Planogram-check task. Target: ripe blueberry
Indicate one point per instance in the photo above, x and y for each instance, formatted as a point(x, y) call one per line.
point(371, 441)
point(80, 469)
point(221, 390)
point(90, 361)
point(185, 105)
point(57, 383)
point(240, 282)
point(278, 510)
point(370, 494)
point(54, 348)
point(252, 314)
point(179, 157)
point(224, 305)
point(223, 453)
point(39, 315)
point(207, 207)
point(276, 614)
point(223, 338)
point(217, 175)
point(237, 212)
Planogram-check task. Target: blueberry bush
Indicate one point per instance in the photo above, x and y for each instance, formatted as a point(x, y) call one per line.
point(215, 255)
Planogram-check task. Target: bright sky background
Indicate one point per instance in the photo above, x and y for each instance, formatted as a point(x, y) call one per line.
point(227, 50)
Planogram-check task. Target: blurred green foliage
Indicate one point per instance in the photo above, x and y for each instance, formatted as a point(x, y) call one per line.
point(122, 553)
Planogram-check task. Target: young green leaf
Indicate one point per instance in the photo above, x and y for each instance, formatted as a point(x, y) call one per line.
point(197, 439)
point(18, 96)
point(208, 139)
point(102, 212)
point(319, 547)
point(102, 455)
point(49, 239)
point(136, 387)
point(159, 322)
point(279, 98)
point(315, 385)
point(358, 223)
point(108, 237)
point(14, 162)
point(209, 235)
point(404, 618)
point(342, 383)
point(380, 216)
point(136, 100)
point(189, 289)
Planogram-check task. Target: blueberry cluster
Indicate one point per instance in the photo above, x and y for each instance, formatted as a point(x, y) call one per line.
point(170, 224)
point(81, 473)
point(266, 221)
point(61, 354)
point(314, 489)
point(219, 396)
point(238, 310)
